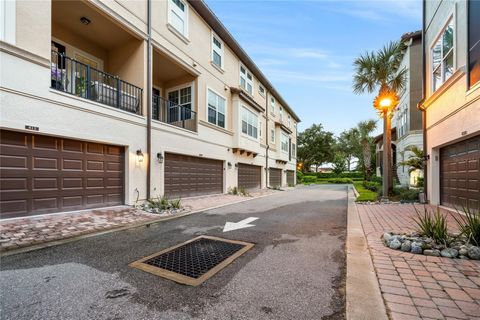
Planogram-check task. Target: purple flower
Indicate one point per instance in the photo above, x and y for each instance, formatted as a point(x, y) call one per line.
point(56, 73)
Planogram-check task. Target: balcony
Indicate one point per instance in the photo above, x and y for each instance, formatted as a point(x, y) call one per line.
point(169, 112)
point(77, 78)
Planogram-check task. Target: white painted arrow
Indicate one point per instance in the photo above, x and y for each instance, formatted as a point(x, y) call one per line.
point(229, 226)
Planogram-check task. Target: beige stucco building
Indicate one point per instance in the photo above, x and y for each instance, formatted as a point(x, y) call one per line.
point(110, 102)
point(452, 102)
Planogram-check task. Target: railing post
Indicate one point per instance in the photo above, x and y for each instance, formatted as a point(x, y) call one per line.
point(119, 93)
point(87, 80)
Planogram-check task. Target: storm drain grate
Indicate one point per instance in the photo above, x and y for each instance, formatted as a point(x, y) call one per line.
point(194, 261)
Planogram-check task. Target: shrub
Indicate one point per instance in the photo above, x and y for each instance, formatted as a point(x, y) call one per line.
point(176, 203)
point(469, 225)
point(160, 203)
point(340, 180)
point(419, 183)
point(432, 224)
point(299, 176)
point(372, 186)
point(406, 194)
point(309, 179)
point(243, 192)
point(376, 179)
point(331, 175)
point(233, 191)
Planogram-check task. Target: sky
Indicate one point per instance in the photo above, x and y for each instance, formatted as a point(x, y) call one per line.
point(307, 48)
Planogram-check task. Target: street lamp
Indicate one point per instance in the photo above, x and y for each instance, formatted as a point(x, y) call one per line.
point(386, 102)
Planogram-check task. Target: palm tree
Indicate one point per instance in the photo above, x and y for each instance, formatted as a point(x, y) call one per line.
point(414, 161)
point(381, 71)
point(365, 129)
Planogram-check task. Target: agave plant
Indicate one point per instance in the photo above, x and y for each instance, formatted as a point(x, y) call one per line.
point(432, 224)
point(469, 225)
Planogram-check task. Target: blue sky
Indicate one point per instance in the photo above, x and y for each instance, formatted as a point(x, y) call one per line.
point(306, 49)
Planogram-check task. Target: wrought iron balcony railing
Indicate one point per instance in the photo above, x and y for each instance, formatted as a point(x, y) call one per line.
point(74, 77)
point(169, 112)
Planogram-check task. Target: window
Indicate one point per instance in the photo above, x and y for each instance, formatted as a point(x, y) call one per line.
point(249, 123)
point(272, 105)
point(473, 42)
point(216, 109)
point(246, 80)
point(284, 143)
point(289, 121)
point(180, 105)
point(7, 21)
point(217, 51)
point(178, 16)
point(261, 90)
point(260, 129)
point(293, 150)
point(442, 57)
point(281, 113)
point(272, 135)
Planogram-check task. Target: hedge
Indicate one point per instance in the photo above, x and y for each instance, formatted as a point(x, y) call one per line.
point(331, 175)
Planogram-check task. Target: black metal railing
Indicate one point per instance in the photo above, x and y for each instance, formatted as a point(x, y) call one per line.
point(74, 77)
point(169, 112)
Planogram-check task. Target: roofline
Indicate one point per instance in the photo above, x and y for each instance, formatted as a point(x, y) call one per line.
point(207, 14)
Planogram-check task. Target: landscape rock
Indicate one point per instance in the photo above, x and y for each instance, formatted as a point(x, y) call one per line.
point(387, 237)
point(474, 253)
point(463, 251)
point(406, 246)
point(449, 253)
point(416, 248)
point(395, 244)
point(432, 253)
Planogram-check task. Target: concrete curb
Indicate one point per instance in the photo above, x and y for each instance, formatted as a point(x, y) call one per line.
point(364, 299)
point(137, 225)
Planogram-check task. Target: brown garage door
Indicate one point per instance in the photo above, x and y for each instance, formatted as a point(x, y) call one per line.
point(249, 176)
point(275, 177)
point(187, 176)
point(42, 174)
point(291, 177)
point(460, 174)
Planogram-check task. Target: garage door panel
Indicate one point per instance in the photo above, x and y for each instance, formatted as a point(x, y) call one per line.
point(249, 176)
point(290, 177)
point(191, 176)
point(57, 174)
point(459, 174)
point(275, 177)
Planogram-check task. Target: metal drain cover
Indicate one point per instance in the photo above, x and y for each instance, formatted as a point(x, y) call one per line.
point(194, 261)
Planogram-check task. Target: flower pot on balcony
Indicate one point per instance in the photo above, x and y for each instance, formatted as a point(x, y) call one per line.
point(57, 84)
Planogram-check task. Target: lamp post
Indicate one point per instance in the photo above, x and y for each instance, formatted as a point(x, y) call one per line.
point(386, 102)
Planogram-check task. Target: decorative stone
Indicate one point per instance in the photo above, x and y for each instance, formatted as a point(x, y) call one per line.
point(395, 244)
point(474, 253)
point(463, 257)
point(387, 237)
point(449, 253)
point(406, 246)
point(433, 253)
point(463, 251)
point(416, 248)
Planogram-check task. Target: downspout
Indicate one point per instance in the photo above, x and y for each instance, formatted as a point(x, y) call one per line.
point(266, 139)
point(422, 108)
point(149, 96)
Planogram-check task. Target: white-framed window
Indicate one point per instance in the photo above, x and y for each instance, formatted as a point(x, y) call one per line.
point(294, 150)
point(181, 102)
point(289, 121)
point(246, 80)
point(281, 113)
point(442, 56)
point(8, 21)
point(272, 135)
point(217, 51)
point(272, 105)
point(178, 16)
point(216, 110)
point(284, 142)
point(249, 123)
point(260, 128)
point(261, 90)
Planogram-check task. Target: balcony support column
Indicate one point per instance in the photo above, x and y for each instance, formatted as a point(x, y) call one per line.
point(149, 97)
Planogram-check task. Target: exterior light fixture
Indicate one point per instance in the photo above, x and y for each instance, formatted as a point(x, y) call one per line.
point(140, 155)
point(160, 157)
point(236, 165)
point(229, 164)
point(85, 21)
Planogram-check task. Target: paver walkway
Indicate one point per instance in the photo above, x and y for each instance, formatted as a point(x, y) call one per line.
point(416, 286)
point(29, 231)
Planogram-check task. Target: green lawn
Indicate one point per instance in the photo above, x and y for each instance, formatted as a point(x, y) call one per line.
point(365, 195)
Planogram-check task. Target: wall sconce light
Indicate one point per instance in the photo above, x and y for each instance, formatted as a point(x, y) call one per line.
point(236, 165)
point(426, 157)
point(85, 21)
point(229, 164)
point(160, 157)
point(140, 155)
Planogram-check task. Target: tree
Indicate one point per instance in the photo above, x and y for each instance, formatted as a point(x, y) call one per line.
point(315, 146)
point(348, 145)
point(414, 161)
point(365, 130)
point(339, 163)
point(381, 71)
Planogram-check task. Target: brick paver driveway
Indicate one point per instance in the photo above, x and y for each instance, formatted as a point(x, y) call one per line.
point(417, 286)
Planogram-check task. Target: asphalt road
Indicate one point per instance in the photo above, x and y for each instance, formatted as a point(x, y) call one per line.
point(296, 270)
